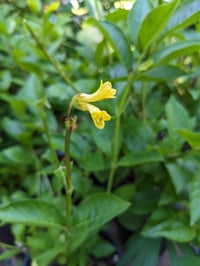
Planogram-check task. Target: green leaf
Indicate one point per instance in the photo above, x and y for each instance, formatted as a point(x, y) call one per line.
point(32, 90)
point(102, 249)
point(96, 210)
point(194, 196)
point(18, 155)
point(137, 158)
point(177, 118)
point(117, 40)
point(190, 260)
point(17, 130)
point(9, 254)
point(154, 23)
point(32, 212)
point(46, 257)
point(6, 79)
point(175, 50)
point(136, 15)
point(162, 73)
point(178, 175)
point(138, 134)
point(191, 137)
point(169, 225)
point(140, 251)
point(186, 14)
point(173, 256)
point(94, 161)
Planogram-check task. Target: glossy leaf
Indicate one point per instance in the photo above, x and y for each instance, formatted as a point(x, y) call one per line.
point(186, 14)
point(154, 23)
point(32, 212)
point(96, 210)
point(162, 73)
point(136, 15)
point(175, 50)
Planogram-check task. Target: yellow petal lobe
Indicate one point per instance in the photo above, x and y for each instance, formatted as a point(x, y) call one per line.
point(99, 118)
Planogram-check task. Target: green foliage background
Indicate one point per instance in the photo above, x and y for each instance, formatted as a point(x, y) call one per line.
point(141, 172)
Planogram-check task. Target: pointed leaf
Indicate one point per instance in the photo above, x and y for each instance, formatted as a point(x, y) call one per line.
point(186, 14)
point(138, 12)
point(118, 41)
point(154, 23)
point(96, 210)
point(32, 212)
point(175, 50)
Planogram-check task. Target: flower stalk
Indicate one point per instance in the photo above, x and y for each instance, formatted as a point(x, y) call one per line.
point(69, 123)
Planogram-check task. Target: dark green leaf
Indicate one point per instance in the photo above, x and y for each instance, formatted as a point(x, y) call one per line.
point(172, 227)
point(162, 73)
point(18, 155)
point(32, 212)
point(190, 260)
point(175, 50)
point(16, 130)
point(138, 158)
point(134, 253)
point(96, 210)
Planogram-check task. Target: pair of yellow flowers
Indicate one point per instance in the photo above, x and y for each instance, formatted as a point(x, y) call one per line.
point(82, 101)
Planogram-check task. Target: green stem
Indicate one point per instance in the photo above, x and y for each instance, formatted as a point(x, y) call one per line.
point(144, 95)
point(48, 135)
point(51, 60)
point(114, 154)
point(68, 182)
point(122, 105)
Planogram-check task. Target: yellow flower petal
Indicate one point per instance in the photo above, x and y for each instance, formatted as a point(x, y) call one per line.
point(82, 101)
point(99, 118)
point(105, 91)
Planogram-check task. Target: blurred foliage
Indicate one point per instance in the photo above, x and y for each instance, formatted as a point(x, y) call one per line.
point(146, 157)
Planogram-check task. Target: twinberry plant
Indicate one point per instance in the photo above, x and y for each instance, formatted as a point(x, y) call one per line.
point(78, 193)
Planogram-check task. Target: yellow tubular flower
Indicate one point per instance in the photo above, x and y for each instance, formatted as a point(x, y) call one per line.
point(82, 102)
point(99, 117)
